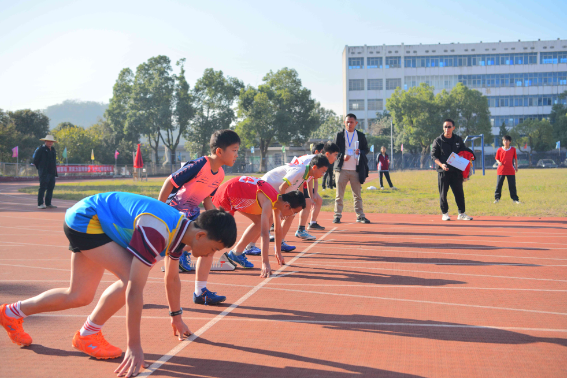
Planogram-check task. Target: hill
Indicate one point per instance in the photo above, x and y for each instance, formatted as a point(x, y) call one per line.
point(82, 113)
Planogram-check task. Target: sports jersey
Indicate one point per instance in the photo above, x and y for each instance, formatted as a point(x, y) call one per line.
point(192, 183)
point(506, 157)
point(294, 175)
point(241, 194)
point(146, 227)
point(302, 160)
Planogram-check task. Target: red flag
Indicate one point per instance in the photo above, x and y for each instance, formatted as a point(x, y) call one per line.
point(526, 145)
point(138, 163)
point(116, 153)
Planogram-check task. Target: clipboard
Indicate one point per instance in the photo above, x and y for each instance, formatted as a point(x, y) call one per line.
point(457, 161)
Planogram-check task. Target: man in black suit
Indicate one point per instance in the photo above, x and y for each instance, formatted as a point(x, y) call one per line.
point(351, 166)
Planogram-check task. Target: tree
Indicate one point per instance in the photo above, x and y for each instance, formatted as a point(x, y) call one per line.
point(151, 101)
point(61, 126)
point(182, 111)
point(280, 109)
point(558, 119)
point(79, 143)
point(31, 126)
point(118, 135)
point(214, 96)
point(418, 116)
point(503, 130)
point(470, 108)
point(537, 134)
point(331, 124)
point(10, 138)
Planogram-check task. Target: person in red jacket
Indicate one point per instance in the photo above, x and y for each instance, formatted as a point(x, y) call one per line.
point(505, 157)
point(383, 168)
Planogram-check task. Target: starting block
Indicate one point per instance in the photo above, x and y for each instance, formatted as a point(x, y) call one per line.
point(223, 263)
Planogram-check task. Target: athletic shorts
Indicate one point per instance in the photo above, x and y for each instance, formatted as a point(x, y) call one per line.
point(79, 241)
point(306, 192)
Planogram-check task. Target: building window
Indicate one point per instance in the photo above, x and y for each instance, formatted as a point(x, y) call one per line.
point(392, 84)
point(393, 62)
point(356, 85)
point(377, 104)
point(514, 120)
point(374, 62)
point(375, 84)
point(355, 63)
point(356, 105)
point(471, 60)
point(361, 124)
point(553, 57)
point(523, 101)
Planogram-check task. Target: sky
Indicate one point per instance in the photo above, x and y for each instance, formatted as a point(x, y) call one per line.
point(52, 51)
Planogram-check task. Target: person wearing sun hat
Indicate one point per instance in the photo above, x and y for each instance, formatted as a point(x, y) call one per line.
point(45, 160)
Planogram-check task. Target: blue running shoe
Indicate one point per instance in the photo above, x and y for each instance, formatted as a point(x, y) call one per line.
point(253, 251)
point(208, 298)
point(272, 238)
point(185, 262)
point(304, 235)
point(241, 260)
point(286, 247)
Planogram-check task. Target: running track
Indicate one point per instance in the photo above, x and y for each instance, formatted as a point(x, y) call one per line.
point(406, 296)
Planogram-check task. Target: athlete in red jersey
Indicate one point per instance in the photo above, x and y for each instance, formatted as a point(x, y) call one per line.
point(260, 202)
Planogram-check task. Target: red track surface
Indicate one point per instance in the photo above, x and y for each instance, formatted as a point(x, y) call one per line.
point(405, 296)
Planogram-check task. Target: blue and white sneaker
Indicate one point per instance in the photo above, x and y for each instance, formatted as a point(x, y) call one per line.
point(185, 262)
point(208, 298)
point(253, 251)
point(241, 260)
point(286, 247)
point(272, 238)
point(304, 235)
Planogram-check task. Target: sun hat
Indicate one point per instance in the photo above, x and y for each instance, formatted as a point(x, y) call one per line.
point(49, 138)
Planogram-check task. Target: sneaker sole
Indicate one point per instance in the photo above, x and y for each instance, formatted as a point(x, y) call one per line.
point(299, 237)
point(210, 303)
point(237, 264)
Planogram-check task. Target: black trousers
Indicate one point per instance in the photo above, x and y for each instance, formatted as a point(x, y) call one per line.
point(511, 186)
point(46, 186)
point(453, 180)
point(387, 174)
point(328, 179)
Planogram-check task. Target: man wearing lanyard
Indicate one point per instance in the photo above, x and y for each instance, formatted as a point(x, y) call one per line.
point(351, 143)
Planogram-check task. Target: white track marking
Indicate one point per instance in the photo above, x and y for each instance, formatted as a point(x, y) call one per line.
point(454, 274)
point(337, 322)
point(441, 253)
point(41, 245)
point(417, 301)
point(156, 365)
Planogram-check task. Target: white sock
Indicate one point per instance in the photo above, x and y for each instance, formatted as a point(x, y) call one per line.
point(312, 222)
point(89, 328)
point(250, 245)
point(13, 311)
point(199, 285)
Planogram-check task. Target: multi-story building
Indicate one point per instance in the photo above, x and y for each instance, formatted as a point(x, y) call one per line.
point(520, 79)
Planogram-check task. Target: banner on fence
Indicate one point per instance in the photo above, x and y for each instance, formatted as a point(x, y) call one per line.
point(85, 168)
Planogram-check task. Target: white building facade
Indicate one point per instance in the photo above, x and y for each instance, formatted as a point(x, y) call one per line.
point(520, 79)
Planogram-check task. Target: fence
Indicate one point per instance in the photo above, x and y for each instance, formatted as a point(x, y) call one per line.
point(251, 165)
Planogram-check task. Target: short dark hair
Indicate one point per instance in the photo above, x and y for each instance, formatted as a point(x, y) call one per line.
point(507, 137)
point(319, 161)
point(295, 199)
point(351, 116)
point(318, 147)
point(220, 226)
point(223, 139)
point(331, 148)
point(449, 120)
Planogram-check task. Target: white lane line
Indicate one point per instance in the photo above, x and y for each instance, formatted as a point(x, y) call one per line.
point(283, 275)
point(429, 272)
point(443, 253)
point(156, 280)
point(156, 365)
point(337, 322)
point(416, 301)
point(42, 245)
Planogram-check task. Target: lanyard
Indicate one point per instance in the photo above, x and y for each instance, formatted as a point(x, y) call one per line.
point(351, 139)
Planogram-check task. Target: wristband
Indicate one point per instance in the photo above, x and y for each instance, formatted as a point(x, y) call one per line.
point(175, 313)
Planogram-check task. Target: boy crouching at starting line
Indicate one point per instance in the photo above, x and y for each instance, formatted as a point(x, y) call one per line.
point(125, 234)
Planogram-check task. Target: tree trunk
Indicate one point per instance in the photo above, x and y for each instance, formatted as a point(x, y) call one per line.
point(263, 153)
point(423, 156)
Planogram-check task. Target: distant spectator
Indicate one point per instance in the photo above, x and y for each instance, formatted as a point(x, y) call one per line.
point(384, 168)
point(505, 158)
point(45, 160)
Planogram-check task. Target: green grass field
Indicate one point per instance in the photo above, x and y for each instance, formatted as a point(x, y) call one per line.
point(543, 192)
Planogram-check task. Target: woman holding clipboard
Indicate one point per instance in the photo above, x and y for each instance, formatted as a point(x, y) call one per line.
point(449, 176)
